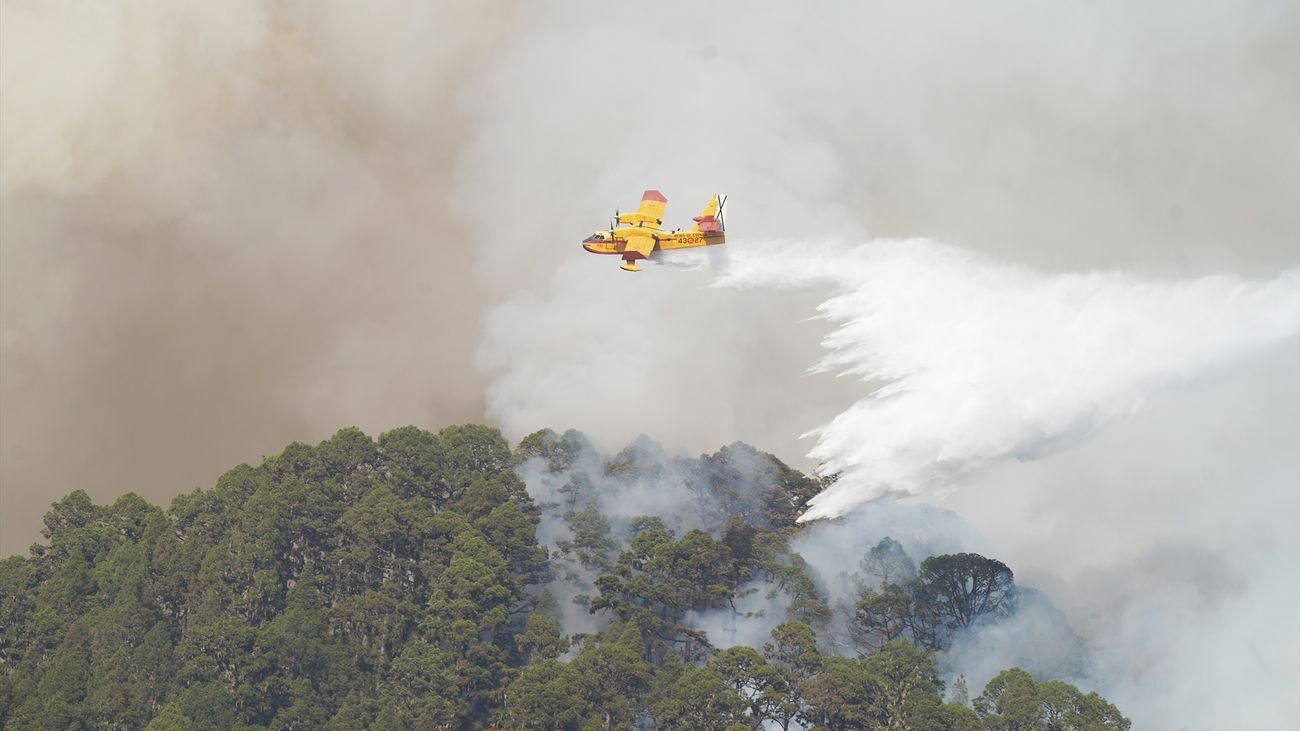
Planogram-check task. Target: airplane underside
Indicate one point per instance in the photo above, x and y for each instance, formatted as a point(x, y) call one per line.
point(668, 242)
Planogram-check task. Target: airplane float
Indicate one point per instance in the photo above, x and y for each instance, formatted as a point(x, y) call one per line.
point(636, 236)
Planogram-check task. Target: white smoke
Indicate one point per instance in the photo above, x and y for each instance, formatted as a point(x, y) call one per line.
point(1170, 542)
point(968, 362)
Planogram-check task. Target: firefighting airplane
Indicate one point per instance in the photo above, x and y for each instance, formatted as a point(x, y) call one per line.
point(640, 234)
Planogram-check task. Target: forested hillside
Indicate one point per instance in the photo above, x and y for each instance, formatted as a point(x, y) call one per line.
point(445, 581)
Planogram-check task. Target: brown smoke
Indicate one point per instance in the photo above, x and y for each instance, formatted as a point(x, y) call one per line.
point(224, 228)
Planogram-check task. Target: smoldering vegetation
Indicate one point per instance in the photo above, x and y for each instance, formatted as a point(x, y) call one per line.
point(593, 503)
point(854, 579)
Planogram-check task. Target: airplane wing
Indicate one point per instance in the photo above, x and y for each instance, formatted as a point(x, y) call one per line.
point(638, 246)
point(642, 244)
point(651, 212)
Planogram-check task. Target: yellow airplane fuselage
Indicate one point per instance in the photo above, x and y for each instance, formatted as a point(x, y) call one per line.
point(615, 241)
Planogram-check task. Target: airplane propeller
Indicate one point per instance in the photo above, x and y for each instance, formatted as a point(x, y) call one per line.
point(722, 201)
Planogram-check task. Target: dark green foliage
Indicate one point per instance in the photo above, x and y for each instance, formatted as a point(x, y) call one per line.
point(558, 452)
point(398, 583)
point(956, 717)
point(614, 675)
point(547, 695)
point(763, 687)
point(354, 583)
point(660, 578)
point(793, 649)
point(787, 572)
point(792, 654)
point(1015, 701)
point(419, 690)
point(964, 588)
point(700, 698)
point(882, 616)
point(908, 689)
point(840, 697)
point(591, 544)
point(931, 607)
point(541, 637)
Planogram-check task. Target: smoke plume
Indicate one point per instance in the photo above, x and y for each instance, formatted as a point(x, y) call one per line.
point(224, 228)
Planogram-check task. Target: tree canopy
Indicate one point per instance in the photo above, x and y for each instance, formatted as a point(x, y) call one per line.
point(399, 582)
